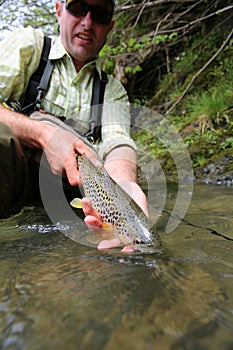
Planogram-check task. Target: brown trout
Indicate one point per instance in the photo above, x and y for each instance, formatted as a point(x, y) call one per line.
point(115, 206)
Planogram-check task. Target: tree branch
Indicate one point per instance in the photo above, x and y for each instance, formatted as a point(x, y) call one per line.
point(200, 71)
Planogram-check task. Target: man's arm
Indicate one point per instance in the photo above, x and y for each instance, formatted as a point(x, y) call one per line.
point(61, 155)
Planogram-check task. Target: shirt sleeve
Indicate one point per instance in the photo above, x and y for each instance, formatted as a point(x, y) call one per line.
point(20, 53)
point(116, 121)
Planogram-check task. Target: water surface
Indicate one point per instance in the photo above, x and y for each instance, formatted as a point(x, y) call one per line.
point(59, 294)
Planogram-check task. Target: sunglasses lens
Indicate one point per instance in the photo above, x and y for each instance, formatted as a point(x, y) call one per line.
point(101, 15)
point(76, 8)
point(80, 8)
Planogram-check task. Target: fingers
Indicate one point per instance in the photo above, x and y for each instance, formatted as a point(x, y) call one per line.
point(109, 243)
point(128, 249)
point(92, 222)
point(114, 243)
point(71, 170)
point(71, 164)
point(90, 211)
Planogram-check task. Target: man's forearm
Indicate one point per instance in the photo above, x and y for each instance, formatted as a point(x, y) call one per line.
point(31, 133)
point(121, 164)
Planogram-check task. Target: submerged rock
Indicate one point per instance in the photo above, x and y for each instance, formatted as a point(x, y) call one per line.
point(217, 173)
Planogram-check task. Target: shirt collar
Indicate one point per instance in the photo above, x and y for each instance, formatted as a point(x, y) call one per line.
point(57, 50)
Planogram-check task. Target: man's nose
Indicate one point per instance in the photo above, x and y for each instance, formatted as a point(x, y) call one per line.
point(87, 20)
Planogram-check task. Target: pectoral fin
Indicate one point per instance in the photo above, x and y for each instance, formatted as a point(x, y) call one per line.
point(106, 225)
point(76, 203)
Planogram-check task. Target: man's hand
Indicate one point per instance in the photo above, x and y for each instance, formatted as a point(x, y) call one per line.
point(61, 151)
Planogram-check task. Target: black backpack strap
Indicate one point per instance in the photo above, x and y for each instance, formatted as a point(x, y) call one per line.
point(44, 83)
point(41, 75)
point(94, 133)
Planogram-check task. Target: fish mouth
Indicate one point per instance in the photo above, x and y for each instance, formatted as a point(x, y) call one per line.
point(138, 242)
point(145, 248)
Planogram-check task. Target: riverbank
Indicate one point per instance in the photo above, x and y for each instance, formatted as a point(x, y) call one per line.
point(210, 152)
point(198, 107)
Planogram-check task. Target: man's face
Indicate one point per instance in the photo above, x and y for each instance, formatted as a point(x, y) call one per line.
point(81, 36)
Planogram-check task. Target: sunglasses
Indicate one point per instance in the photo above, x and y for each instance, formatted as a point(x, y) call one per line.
point(80, 8)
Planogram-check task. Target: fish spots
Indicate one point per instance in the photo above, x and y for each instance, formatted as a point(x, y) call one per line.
point(115, 206)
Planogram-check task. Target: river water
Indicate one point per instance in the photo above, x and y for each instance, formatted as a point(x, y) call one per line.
point(56, 293)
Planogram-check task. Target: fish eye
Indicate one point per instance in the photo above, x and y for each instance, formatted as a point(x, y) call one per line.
point(138, 241)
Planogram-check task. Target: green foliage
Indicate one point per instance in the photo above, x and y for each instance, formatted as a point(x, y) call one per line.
point(215, 104)
point(227, 143)
point(199, 161)
point(129, 48)
point(38, 14)
point(212, 105)
point(205, 115)
point(133, 70)
point(150, 145)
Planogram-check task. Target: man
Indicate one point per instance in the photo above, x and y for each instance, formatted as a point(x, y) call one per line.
point(84, 26)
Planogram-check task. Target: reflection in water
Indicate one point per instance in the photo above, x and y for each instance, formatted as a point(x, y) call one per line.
point(55, 293)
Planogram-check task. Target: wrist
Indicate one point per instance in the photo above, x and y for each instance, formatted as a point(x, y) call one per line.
point(43, 133)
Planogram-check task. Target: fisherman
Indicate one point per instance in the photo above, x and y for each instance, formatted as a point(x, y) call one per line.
point(84, 26)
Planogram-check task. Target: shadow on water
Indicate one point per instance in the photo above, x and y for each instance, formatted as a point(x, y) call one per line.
point(56, 293)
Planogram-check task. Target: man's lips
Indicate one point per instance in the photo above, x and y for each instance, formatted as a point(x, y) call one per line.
point(84, 37)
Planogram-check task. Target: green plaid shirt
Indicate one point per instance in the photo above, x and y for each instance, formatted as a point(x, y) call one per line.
point(69, 93)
